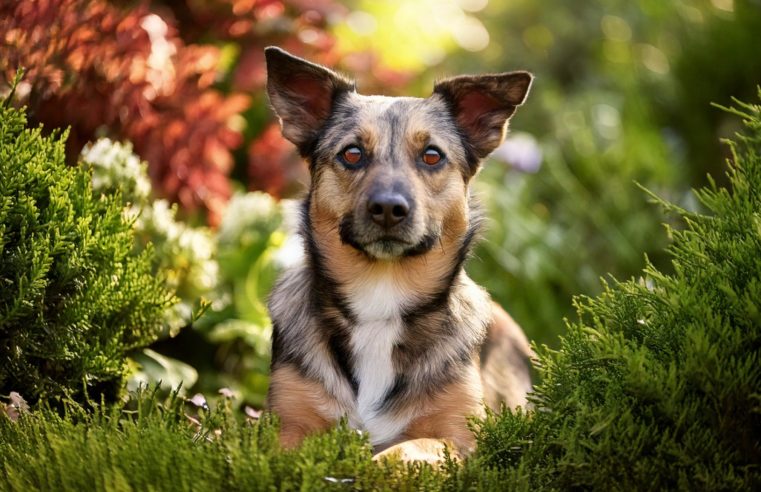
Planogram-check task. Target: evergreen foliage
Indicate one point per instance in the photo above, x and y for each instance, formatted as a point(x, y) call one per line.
point(158, 446)
point(658, 385)
point(74, 297)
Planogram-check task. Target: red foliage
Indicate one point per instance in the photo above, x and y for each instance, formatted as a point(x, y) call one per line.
point(91, 65)
point(274, 165)
point(298, 26)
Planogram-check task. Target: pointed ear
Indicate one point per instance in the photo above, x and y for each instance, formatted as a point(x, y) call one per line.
point(302, 95)
point(482, 104)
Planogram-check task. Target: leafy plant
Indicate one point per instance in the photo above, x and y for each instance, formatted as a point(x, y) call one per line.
point(75, 298)
point(251, 244)
point(230, 271)
point(184, 254)
point(93, 65)
point(621, 96)
point(657, 385)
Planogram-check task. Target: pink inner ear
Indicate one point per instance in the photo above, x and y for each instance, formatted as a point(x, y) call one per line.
point(473, 106)
point(314, 94)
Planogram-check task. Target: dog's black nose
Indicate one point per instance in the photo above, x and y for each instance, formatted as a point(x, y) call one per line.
point(388, 208)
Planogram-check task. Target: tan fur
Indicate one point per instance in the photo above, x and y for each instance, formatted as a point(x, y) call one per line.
point(445, 415)
point(303, 406)
point(422, 449)
point(503, 359)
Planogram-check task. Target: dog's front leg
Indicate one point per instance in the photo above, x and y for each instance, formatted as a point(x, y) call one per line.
point(444, 424)
point(300, 404)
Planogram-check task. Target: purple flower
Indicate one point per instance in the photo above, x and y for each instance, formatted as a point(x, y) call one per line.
point(521, 151)
point(199, 400)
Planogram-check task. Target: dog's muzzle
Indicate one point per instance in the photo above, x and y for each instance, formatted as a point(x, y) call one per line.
point(385, 227)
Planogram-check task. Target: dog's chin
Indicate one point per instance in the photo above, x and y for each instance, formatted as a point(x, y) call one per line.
point(389, 249)
point(385, 247)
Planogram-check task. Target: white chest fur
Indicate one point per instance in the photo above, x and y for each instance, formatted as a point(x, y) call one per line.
point(378, 305)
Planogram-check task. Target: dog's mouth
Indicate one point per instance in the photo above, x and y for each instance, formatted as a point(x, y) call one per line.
point(385, 246)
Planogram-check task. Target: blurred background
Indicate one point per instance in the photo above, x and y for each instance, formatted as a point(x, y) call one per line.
point(165, 101)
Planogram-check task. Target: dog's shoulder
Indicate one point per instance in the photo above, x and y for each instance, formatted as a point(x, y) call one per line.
point(290, 297)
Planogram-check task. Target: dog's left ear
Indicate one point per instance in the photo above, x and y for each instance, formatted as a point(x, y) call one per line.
point(302, 94)
point(482, 104)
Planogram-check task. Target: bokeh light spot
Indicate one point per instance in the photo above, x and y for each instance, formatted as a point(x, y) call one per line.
point(615, 28)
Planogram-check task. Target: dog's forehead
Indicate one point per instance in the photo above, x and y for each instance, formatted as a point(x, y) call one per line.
point(397, 111)
point(392, 126)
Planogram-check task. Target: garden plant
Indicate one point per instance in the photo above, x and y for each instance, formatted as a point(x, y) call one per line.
point(75, 298)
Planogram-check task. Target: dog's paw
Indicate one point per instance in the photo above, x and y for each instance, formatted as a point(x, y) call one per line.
point(424, 449)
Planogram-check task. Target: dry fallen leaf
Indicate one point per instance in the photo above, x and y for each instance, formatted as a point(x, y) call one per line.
point(17, 407)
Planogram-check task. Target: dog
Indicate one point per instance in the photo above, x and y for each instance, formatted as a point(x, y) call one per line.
point(380, 325)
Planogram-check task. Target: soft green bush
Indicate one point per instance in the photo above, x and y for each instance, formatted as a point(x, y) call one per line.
point(74, 297)
point(252, 246)
point(658, 385)
point(169, 446)
point(184, 254)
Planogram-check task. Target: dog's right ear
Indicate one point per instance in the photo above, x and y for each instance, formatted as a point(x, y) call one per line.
point(482, 105)
point(302, 94)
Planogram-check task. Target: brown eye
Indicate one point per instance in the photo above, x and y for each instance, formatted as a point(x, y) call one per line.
point(352, 155)
point(431, 156)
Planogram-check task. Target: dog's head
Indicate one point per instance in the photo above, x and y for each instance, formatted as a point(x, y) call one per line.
point(391, 174)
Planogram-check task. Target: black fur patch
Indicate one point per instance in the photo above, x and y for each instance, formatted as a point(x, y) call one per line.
point(424, 246)
point(327, 297)
point(346, 232)
point(338, 343)
point(400, 387)
point(326, 291)
point(277, 347)
point(308, 150)
point(450, 372)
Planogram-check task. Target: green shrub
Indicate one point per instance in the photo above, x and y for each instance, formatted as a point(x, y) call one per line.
point(658, 385)
point(184, 254)
point(251, 239)
point(159, 446)
point(74, 298)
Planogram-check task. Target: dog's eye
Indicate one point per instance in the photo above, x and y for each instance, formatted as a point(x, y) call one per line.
point(432, 156)
point(351, 155)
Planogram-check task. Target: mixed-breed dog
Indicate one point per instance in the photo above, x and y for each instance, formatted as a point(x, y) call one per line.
point(380, 324)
